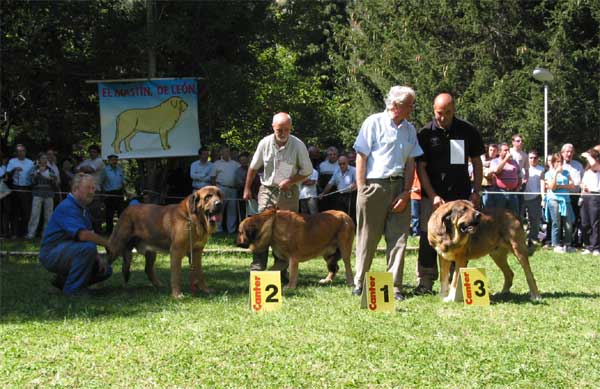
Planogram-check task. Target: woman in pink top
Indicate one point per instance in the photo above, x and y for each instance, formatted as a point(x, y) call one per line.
point(506, 177)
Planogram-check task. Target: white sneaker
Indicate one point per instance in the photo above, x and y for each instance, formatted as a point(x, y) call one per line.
point(596, 253)
point(569, 249)
point(559, 249)
point(586, 252)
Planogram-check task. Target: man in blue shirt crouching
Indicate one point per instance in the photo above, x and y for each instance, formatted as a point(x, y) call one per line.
point(69, 244)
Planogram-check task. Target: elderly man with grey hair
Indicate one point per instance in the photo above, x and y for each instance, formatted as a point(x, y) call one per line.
point(286, 164)
point(385, 150)
point(69, 244)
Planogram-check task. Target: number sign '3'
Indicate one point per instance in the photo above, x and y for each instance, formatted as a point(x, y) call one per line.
point(473, 284)
point(265, 291)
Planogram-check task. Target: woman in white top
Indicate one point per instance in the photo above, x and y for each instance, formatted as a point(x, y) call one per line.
point(590, 210)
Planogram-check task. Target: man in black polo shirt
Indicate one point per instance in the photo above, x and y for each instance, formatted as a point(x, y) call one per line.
point(448, 143)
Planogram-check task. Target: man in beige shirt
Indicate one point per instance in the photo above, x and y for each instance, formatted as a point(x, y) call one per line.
point(286, 164)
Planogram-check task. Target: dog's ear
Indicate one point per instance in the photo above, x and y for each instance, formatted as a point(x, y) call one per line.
point(448, 223)
point(441, 222)
point(251, 233)
point(193, 201)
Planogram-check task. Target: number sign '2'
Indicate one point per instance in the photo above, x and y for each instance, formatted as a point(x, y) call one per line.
point(473, 287)
point(265, 291)
point(378, 292)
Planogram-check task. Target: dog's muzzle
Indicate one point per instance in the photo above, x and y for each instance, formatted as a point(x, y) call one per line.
point(215, 215)
point(470, 228)
point(242, 241)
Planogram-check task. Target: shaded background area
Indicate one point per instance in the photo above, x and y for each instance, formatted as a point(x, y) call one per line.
point(328, 63)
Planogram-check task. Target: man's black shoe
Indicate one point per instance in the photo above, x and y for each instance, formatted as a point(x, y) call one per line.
point(422, 290)
point(357, 292)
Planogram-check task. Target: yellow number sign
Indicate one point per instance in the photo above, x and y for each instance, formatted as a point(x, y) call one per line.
point(378, 292)
point(473, 284)
point(265, 291)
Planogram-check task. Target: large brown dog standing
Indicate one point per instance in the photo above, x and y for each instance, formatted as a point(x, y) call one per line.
point(151, 228)
point(301, 237)
point(459, 233)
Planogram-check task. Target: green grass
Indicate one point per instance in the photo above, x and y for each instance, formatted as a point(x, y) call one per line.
point(137, 336)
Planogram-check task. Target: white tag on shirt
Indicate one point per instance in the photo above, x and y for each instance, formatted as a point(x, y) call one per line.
point(457, 151)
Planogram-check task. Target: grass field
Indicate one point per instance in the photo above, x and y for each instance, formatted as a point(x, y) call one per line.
point(140, 337)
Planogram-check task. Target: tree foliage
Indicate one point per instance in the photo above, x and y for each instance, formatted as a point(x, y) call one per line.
point(327, 63)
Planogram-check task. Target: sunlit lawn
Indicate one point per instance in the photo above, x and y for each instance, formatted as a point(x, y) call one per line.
point(138, 336)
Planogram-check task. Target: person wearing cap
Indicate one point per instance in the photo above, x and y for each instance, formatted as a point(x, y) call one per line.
point(286, 164)
point(94, 166)
point(385, 150)
point(113, 182)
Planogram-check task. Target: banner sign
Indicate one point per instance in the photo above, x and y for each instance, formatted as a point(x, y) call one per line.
point(150, 119)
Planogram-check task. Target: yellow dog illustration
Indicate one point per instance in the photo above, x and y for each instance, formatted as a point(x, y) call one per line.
point(155, 120)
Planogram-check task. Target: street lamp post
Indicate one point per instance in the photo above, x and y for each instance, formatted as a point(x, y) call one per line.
point(544, 76)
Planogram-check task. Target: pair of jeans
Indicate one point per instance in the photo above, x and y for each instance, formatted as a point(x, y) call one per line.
point(77, 261)
point(559, 223)
point(415, 216)
point(534, 216)
point(504, 200)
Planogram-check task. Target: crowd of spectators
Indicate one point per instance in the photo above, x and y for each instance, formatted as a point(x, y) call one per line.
point(558, 202)
point(33, 186)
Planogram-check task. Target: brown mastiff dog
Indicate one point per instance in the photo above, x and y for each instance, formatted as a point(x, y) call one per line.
point(301, 237)
point(459, 233)
point(151, 228)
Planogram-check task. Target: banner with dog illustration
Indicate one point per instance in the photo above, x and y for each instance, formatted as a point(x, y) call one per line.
point(150, 119)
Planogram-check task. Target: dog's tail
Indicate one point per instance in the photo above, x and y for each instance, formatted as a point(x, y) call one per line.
point(119, 239)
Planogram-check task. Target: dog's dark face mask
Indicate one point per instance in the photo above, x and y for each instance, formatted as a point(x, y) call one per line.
point(247, 233)
point(208, 201)
point(467, 218)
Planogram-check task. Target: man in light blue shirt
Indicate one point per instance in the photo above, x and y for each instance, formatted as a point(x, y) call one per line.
point(344, 179)
point(19, 168)
point(386, 147)
point(200, 170)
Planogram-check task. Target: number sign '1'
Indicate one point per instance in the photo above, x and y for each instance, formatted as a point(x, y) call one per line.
point(378, 292)
point(265, 291)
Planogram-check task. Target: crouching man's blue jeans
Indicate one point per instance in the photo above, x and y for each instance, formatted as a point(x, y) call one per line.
point(77, 261)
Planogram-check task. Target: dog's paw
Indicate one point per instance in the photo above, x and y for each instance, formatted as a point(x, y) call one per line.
point(325, 281)
point(535, 297)
point(177, 296)
point(451, 296)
